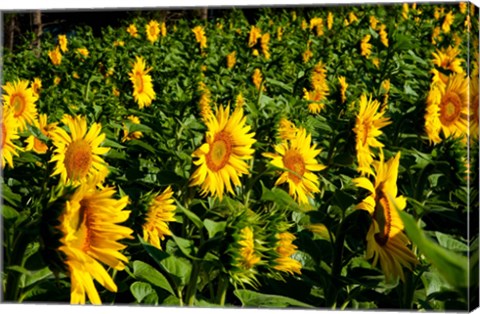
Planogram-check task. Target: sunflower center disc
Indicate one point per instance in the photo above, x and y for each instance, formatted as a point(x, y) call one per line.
point(294, 162)
point(139, 82)
point(220, 151)
point(382, 216)
point(4, 134)
point(78, 159)
point(18, 104)
point(450, 108)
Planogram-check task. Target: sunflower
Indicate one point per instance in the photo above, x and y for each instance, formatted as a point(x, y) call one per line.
point(89, 224)
point(279, 33)
point(231, 59)
point(83, 51)
point(264, 40)
point(287, 130)
point(36, 86)
point(239, 100)
point(367, 128)
point(315, 99)
point(143, 92)
point(248, 257)
point(307, 55)
point(383, 34)
point(257, 78)
point(447, 107)
point(200, 37)
point(163, 29)
point(135, 135)
point(222, 159)
point(386, 241)
point(447, 59)
point(9, 134)
point(204, 102)
point(297, 157)
point(329, 20)
point(365, 46)
point(319, 78)
point(62, 42)
point(255, 34)
point(21, 100)
point(285, 249)
point(447, 22)
point(153, 30)
point(132, 30)
point(77, 154)
point(343, 87)
point(35, 144)
point(55, 56)
point(474, 103)
point(373, 22)
point(160, 211)
point(405, 11)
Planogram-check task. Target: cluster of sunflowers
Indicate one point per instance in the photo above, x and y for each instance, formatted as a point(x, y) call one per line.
point(275, 163)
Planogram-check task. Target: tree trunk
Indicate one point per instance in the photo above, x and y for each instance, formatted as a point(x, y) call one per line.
point(37, 24)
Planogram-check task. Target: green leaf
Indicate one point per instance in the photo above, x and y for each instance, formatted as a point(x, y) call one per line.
point(34, 276)
point(179, 267)
point(9, 212)
point(113, 144)
point(186, 246)
point(143, 145)
point(279, 196)
point(9, 196)
point(451, 266)
point(252, 298)
point(214, 227)
point(449, 243)
point(140, 290)
point(145, 272)
point(191, 215)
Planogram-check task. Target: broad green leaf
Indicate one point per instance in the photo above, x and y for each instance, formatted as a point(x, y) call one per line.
point(450, 243)
point(9, 212)
point(214, 227)
point(33, 277)
point(140, 290)
point(453, 267)
point(190, 215)
point(256, 299)
point(147, 273)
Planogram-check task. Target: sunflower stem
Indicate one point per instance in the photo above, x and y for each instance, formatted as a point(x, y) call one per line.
point(13, 277)
point(192, 284)
point(222, 290)
point(336, 267)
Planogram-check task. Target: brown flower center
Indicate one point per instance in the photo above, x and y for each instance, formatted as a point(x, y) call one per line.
point(383, 216)
point(78, 159)
point(4, 134)
point(450, 108)
point(294, 161)
point(139, 82)
point(220, 151)
point(18, 104)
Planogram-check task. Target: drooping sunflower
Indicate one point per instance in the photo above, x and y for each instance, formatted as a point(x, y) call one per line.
point(447, 59)
point(222, 159)
point(365, 46)
point(200, 37)
point(9, 127)
point(36, 86)
point(386, 241)
point(143, 92)
point(153, 30)
point(297, 157)
point(368, 123)
point(285, 249)
point(34, 143)
point(62, 42)
point(248, 256)
point(132, 30)
point(21, 100)
point(135, 135)
point(55, 56)
point(91, 231)
point(447, 106)
point(160, 211)
point(77, 152)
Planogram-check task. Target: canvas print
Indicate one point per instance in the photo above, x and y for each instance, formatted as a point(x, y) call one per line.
point(315, 157)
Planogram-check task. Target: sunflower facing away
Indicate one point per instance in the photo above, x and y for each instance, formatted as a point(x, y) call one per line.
point(297, 157)
point(77, 152)
point(153, 30)
point(386, 241)
point(143, 92)
point(160, 211)
point(367, 128)
point(222, 159)
point(447, 108)
point(285, 249)
point(8, 135)
point(248, 256)
point(34, 143)
point(89, 224)
point(447, 59)
point(21, 100)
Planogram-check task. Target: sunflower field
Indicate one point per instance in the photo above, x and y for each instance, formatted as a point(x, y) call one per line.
point(312, 157)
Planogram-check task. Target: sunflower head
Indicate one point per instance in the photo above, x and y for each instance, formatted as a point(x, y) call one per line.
point(200, 37)
point(143, 92)
point(36, 86)
point(264, 40)
point(365, 46)
point(77, 151)
point(386, 241)
point(132, 30)
point(36, 144)
point(9, 126)
point(127, 135)
point(297, 158)
point(90, 231)
point(62, 42)
point(255, 34)
point(20, 99)
point(55, 56)
point(153, 30)
point(231, 59)
point(161, 211)
point(222, 159)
